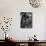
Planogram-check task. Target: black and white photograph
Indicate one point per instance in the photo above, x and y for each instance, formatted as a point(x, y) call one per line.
point(26, 19)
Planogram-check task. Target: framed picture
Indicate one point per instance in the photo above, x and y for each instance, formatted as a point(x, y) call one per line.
point(26, 19)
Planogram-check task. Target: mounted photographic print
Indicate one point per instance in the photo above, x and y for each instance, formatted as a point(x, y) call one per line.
point(26, 19)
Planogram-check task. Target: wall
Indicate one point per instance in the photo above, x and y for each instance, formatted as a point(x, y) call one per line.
point(12, 8)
